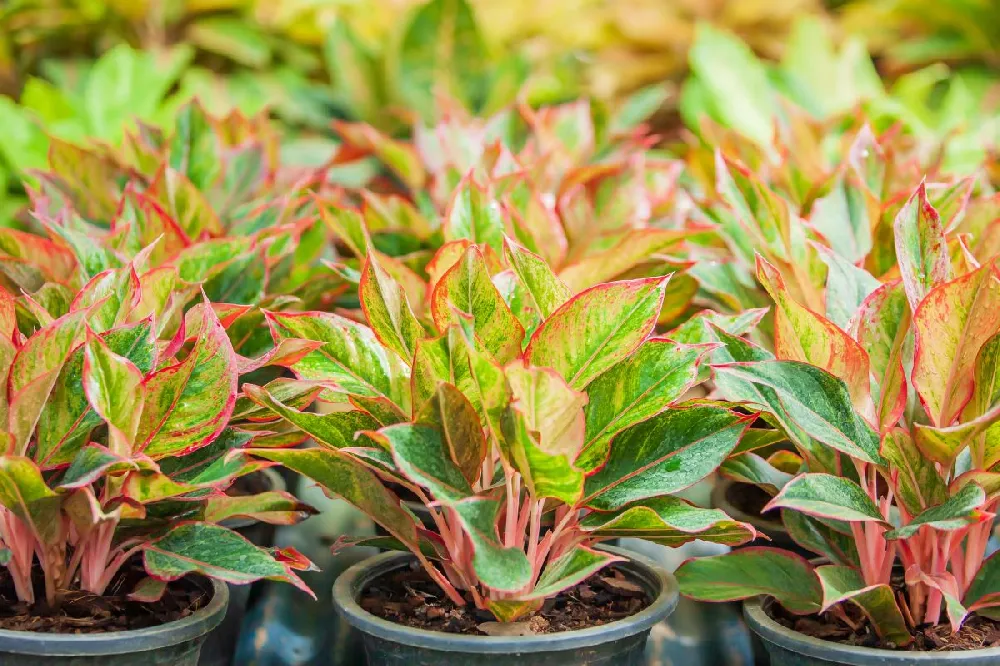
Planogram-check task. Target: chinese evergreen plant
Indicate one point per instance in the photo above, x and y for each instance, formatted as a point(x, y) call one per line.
point(508, 404)
point(121, 435)
point(884, 383)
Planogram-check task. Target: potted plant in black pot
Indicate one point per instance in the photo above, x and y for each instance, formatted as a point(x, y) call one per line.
point(897, 488)
point(109, 529)
point(498, 414)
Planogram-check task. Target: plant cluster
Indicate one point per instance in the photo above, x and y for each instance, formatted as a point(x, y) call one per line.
point(530, 422)
point(882, 382)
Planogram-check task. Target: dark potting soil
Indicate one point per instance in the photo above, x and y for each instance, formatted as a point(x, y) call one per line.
point(977, 632)
point(84, 613)
point(409, 597)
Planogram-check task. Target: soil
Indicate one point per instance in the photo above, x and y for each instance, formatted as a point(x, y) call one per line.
point(978, 632)
point(85, 613)
point(410, 598)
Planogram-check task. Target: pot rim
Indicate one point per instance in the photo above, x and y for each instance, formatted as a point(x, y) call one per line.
point(770, 631)
point(199, 623)
point(348, 586)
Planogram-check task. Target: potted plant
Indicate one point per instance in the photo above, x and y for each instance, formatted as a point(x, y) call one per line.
point(497, 414)
point(893, 415)
point(118, 448)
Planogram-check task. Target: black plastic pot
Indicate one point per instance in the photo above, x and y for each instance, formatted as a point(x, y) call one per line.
point(221, 644)
point(790, 648)
point(722, 494)
point(173, 644)
point(620, 643)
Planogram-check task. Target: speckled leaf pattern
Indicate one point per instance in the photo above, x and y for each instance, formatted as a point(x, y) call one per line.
point(638, 387)
point(34, 371)
point(352, 357)
point(809, 402)
point(421, 453)
point(545, 473)
point(664, 454)
point(828, 496)
point(918, 484)
point(921, 249)
point(113, 385)
point(551, 409)
point(635, 247)
point(474, 216)
point(546, 290)
point(669, 521)
point(984, 592)
point(213, 551)
point(25, 494)
point(569, 569)
point(67, 418)
point(880, 327)
point(454, 416)
point(273, 507)
point(499, 568)
point(188, 404)
point(466, 286)
point(802, 335)
point(92, 462)
point(345, 477)
point(335, 430)
point(878, 602)
point(847, 287)
point(952, 323)
point(750, 572)
point(597, 328)
point(958, 511)
point(388, 311)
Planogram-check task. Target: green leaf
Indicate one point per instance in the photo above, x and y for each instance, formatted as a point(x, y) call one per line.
point(668, 521)
point(499, 568)
point(474, 216)
point(918, 484)
point(546, 473)
point(664, 454)
point(957, 512)
point(921, 247)
point(421, 453)
point(388, 310)
point(847, 287)
point(466, 286)
point(452, 413)
point(750, 572)
point(984, 591)
point(113, 386)
point(546, 290)
point(335, 430)
point(596, 329)
point(882, 324)
point(34, 371)
point(638, 387)
point(25, 494)
point(878, 602)
point(809, 403)
point(832, 539)
point(344, 476)
point(571, 568)
point(272, 507)
point(67, 418)
point(352, 357)
point(188, 404)
point(827, 496)
point(215, 552)
point(354, 71)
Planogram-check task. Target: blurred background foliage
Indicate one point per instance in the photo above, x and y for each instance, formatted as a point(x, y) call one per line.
point(81, 70)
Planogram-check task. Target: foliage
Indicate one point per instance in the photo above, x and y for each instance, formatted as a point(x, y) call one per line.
point(893, 460)
point(948, 113)
point(571, 184)
point(507, 405)
point(120, 435)
point(919, 32)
